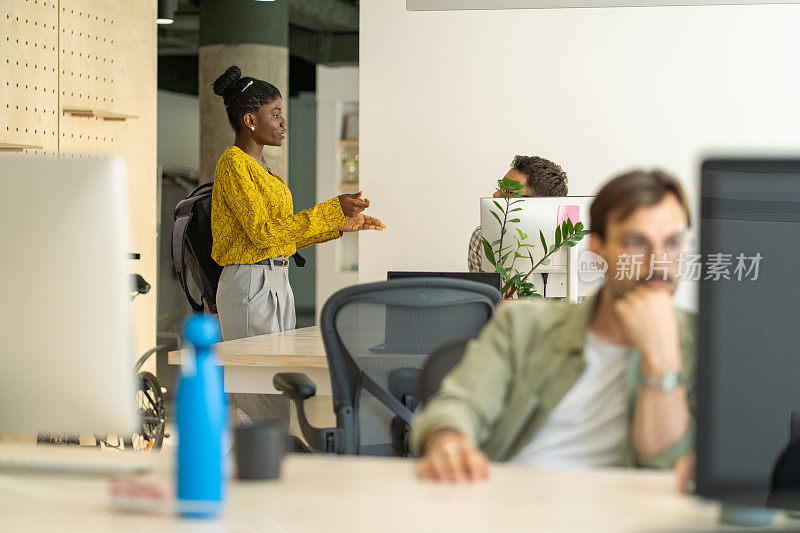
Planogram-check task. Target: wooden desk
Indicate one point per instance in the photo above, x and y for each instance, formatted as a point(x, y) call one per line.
point(355, 494)
point(251, 363)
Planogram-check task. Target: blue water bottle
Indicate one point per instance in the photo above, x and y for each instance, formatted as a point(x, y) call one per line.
point(202, 420)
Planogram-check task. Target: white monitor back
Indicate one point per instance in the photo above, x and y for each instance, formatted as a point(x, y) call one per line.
point(540, 214)
point(66, 363)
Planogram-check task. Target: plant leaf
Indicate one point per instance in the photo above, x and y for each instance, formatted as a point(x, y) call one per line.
point(544, 242)
point(514, 220)
point(570, 227)
point(564, 231)
point(497, 218)
point(500, 207)
point(579, 226)
point(546, 262)
point(487, 251)
point(516, 209)
point(558, 236)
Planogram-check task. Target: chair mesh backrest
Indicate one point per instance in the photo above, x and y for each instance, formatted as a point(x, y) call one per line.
point(392, 328)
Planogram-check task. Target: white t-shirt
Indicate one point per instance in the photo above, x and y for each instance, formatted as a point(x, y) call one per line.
point(589, 425)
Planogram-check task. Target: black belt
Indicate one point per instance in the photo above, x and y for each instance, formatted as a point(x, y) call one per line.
point(274, 261)
point(299, 260)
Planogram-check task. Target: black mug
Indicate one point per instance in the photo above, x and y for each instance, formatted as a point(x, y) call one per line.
point(260, 449)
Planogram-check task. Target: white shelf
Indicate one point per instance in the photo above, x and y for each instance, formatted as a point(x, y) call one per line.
point(348, 187)
point(337, 97)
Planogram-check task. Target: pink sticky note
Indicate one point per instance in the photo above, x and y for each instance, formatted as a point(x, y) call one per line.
point(571, 212)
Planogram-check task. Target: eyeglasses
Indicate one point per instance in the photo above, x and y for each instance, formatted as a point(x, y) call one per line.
point(641, 246)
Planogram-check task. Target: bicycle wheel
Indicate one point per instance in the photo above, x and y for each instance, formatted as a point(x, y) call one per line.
point(152, 414)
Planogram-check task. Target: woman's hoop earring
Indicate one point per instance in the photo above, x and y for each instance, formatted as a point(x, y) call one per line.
point(253, 128)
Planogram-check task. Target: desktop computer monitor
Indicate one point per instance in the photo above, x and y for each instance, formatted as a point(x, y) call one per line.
point(492, 279)
point(66, 362)
point(748, 337)
point(543, 214)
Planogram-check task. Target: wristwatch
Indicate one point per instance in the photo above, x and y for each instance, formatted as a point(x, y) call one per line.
point(665, 383)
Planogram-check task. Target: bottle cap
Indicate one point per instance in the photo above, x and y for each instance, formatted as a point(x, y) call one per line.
point(202, 331)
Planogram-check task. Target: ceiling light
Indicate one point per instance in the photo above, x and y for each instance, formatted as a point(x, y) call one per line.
point(166, 11)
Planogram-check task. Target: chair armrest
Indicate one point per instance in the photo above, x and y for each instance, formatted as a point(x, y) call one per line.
point(295, 385)
point(298, 388)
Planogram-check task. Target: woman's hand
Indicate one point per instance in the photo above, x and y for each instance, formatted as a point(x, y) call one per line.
point(352, 204)
point(361, 222)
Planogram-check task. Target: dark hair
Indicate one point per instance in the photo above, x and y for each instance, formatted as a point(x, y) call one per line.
point(624, 194)
point(243, 95)
point(543, 177)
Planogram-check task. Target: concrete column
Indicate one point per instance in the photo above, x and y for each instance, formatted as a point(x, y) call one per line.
point(255, 36)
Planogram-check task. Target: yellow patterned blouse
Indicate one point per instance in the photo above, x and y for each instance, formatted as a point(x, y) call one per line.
point(252, 216)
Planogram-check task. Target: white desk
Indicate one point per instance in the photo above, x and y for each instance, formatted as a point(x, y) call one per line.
point(251, 363)
point(319, 493)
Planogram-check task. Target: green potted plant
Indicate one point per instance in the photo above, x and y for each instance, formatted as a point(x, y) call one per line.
point(503, 253)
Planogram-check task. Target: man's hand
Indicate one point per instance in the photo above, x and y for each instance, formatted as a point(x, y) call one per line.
point(361, 222)
point(450, 456)
point(649, 322)
point(352, 204)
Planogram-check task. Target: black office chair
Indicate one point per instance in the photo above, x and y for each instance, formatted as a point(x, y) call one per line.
point(376, 338)
point(441, 361)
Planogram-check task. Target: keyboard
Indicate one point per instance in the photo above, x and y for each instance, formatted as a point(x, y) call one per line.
point(69, 460)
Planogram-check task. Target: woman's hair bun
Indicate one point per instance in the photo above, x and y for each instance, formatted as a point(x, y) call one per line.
point(227, 80)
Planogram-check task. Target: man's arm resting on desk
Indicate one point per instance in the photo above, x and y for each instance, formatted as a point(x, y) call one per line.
point(450, 456)
point(461, 414)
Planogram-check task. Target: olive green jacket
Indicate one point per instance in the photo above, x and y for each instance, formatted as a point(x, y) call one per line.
point(515, 373)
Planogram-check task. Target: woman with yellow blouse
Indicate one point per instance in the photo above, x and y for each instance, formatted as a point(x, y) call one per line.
point(253, 224)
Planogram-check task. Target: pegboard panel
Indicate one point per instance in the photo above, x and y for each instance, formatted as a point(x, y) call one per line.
point(97, 55)
point(29, 76)
point(90, 72)
point(108, 63)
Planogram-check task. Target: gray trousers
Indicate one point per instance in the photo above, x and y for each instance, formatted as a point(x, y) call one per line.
point(256, 300)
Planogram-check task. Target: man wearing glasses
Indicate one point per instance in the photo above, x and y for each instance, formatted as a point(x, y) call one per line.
point(608, 382)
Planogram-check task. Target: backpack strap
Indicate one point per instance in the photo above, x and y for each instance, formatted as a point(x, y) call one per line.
point(178, 243)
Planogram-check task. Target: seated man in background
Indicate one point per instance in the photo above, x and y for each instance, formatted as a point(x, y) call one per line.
point(607, 382)
point(539, 177)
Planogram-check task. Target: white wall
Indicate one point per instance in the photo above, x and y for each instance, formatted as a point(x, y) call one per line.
point(178, 131)
point(447, 98)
